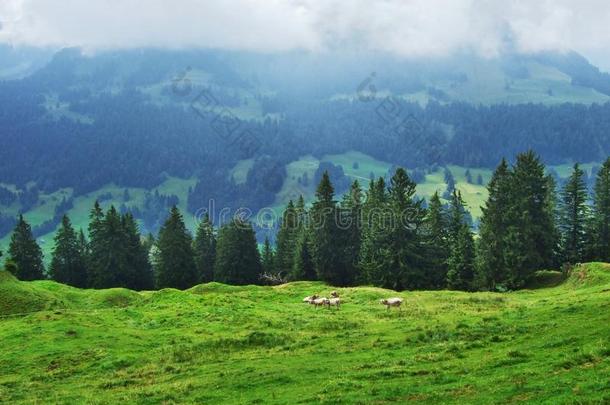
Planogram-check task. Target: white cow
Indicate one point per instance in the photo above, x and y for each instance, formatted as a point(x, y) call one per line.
point(391, 302)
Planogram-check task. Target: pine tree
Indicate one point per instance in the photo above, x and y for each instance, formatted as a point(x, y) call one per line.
point(204, 247)
point(286, 240)
point(599, 229)
point(176, 267)
point(406, 268)
point(268, 257)
point(68, 264)
point(468, 176)
point(351, 227)
point(327, 241)
point(492, 230)
point(460, 264)
point(573, 218)
point(374, 250)
point(25, 253)
point(237, 256)
point(435, 234)
point(530, 241)
point(138, 271)
point(303, 264)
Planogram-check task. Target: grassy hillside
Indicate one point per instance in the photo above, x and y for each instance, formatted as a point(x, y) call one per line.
point(223, 344)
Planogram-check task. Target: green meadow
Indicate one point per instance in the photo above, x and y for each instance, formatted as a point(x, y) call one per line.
point(252, 345)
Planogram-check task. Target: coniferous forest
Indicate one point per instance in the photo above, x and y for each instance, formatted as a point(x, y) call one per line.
point(382, 235)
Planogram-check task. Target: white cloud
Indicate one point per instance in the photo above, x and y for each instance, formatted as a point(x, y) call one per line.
point(404, 27)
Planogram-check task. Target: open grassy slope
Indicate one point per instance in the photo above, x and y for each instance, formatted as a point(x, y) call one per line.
point(223, 344)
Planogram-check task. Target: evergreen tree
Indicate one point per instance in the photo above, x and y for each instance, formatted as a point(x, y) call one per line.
point(204, 247)
point(530, 241)
point(479, 179)
point(138, 271)
point(286, 240)
point(491, 262)
point(468, 176)
point(328, 251)
point(25, 253)
point(268, 256)
point(435, 234)
point(176, 264)
point(351, 226)
point(460, 264)
point(599, 229)
point(303, 264)
point(406, 268)
point(237, 256)
point(68, 264)
point(374, 251)
point(573, 218)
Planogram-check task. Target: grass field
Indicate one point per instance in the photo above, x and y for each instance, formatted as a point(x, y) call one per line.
point(248, 345)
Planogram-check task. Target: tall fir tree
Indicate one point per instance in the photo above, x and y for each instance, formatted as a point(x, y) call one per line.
point(530, 242)
point(237, 256)
point(574, 216)
point(351, 226)
point(327, 240)
point(460, 264)
point(304, 268)
point(436, 242)
point(138, 271)
point(599, 228)
point(25, 253)
point(204, 247)
point(69, 263)
point(176, 267)
point(491, 263)
point(268, 257)
point(406, 269)
point(286, 239)
point(374, 253)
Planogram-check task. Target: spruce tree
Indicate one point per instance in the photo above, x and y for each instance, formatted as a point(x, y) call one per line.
point(374, 250)
point(435, 235)
point(303, 264)
point(204, 247)
point(68, 265)
point(286, 240)
point(599, 229)
point(237, 256)
point(268, 257)
point(573, 218)
point(351, 226)
point(460, 264)
point(406, 269)
point(176, 267)
point(491, 262)
point(25, 253)
point(328, 250)
point(530, 242)
point(138, 271)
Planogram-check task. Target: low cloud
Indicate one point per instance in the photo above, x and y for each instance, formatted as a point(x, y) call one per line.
point(402, 27)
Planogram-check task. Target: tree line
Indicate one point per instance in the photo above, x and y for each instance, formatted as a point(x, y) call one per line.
point(384, 236)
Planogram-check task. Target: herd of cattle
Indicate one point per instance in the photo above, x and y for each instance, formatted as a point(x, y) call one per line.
point(335, 301)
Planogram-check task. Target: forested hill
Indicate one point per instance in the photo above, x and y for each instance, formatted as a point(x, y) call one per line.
point(132, 118)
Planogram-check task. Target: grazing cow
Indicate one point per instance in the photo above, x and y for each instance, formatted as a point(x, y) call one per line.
point(391, 302)
point(334, 302)
point(320, 302)
point(310, 298)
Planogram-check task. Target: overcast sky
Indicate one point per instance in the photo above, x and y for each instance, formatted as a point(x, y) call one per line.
point(403, 27)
